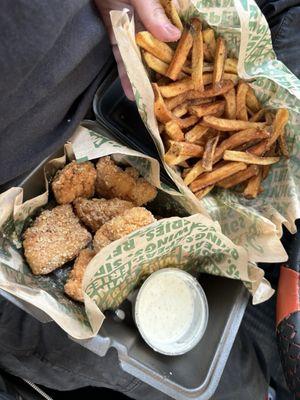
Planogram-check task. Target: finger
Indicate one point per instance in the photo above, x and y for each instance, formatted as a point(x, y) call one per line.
point(155, 20)
point(123, 74)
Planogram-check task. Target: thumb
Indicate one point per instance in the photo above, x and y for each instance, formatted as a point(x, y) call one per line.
point(155, 20)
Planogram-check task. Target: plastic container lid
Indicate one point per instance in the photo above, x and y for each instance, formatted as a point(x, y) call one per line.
point(171, 311)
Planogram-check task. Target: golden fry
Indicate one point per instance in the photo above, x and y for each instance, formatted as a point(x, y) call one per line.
point(229, 124)
point(187, 122)
point(247, 158)
point(172, 13)
point(239, 177)
point(208, 109)
point(232, 77)
point(231, 65)
point(230, 106)
point(197, 56)
point(196, 133)
point(161, 111)
point(181, 110)
point(233, 141)
point(212, 91)
point(176, 88)
point(251, 101)
point(210, 178)
point(158, 66)
point(182, 151)
point(180, 55)
point(210, 42)
point(283, 146)
point(241, 108)
point(209, 152)
point(173, 131)
point(253, 186)
point(203, 192)
point(220, 56)
point(281, 119)
point(160, 50)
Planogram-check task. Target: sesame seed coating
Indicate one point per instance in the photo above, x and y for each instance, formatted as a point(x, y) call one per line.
point(55, 238)
point(96, 212)
point(74, 180)
point(121, 226)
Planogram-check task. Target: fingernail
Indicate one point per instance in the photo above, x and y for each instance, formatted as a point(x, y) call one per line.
point(173, 32)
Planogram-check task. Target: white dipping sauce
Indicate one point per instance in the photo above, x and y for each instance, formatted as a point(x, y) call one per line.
point(171, 311)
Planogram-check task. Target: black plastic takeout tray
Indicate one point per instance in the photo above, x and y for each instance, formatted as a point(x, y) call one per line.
point(194, 375)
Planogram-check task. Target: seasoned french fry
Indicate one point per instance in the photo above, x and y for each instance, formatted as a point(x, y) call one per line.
point(208, 109)
point(283, 146)
point(212, 91)
point(241, 108)
point(232, 77)
point(210, 178)
point(176, 88)
point(258, 115)
point(208, 55)
point(259, 149)
point(203, 192)
point(253, 186)
point(230, 106)
point(180, 55)
point(197, 56)
point(160, 50)
point(229, 124)
point(239, 177)
point(159, 66)
point(173, 131)
point(182, 151)
point(163, 114)
point(220, 56)
point(233, 141)
point(231, 65)
point(187, 122)
point(172, 13)
point(247, 158)
point(210, 41)
point(173, 102)
point(197, 102)
point(181, 110)
point(209, 152)
point(281, 119)
point(196, 133)
point(251, 101)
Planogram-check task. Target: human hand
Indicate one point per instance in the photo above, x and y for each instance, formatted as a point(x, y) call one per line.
point(149, 14)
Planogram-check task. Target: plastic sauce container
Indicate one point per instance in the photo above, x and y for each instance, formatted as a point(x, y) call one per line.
point(171, 311)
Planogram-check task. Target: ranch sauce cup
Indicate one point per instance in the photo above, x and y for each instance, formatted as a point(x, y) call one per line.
point(171, 311)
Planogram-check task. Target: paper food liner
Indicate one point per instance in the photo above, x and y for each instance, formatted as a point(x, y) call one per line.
point(193, 243)
point(254, 224)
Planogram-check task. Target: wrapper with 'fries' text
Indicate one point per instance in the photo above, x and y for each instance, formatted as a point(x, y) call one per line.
point(188, 242)
point(254, 224)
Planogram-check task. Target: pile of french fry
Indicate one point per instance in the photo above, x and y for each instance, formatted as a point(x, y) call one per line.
point(214, 129)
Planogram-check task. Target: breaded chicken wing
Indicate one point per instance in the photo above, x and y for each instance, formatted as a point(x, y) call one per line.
point(55, 238)
point(96, 212)
point(121, 226)
point(112, 181)
point(73, 286)
point(74, 180)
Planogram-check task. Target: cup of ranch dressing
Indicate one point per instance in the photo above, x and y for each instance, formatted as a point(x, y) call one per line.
point(171, 311)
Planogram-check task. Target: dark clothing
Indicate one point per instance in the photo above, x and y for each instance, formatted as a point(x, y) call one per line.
point(51, 53)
